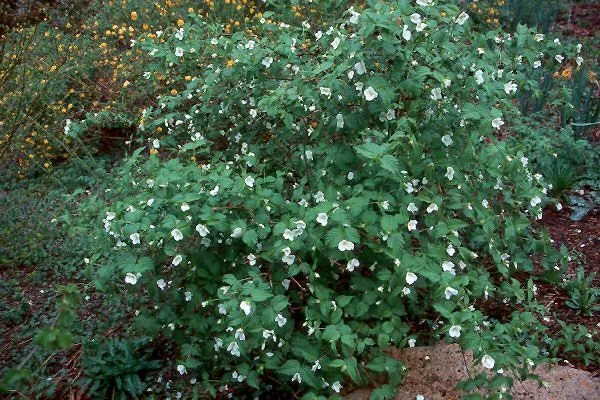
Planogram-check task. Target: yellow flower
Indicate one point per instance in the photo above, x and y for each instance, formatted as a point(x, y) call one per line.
point(180, 23)
point(134, 16)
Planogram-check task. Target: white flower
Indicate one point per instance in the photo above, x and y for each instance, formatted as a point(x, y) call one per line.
point(352, 264)
point(281, 320)
point(449, 292)
point(185, 206)
point(479, 77)
point(450, 250)
point(579, 61)
point(288, 257)
point(370, 94)
point(559, 58)
point(488, 362)
point(345, 245)
point(156, 143)
point(131, 278)
point(322, 219)
point(110, 215)
point(181, 369)
point(339, 121)
point(420, 397)
point(289, 235)
point(177, 260)
point(537, 64)
point(497, 123)
point(246, 307)
point(161, 284)
point(179, 34)
point(236, 233)
point(250, 45)
point(431, 208)
point(462, 18)
point(447, 140)
point(485, 203)
point(510, 87)
point(412, 225)
point(535, 201)
point(214, 191)
point(249, 181)
point(424, 3)
point(436, 94)
point(449, 173)
point(240, 335)
point(202, 230)
point(135, 238)
point(316, 366)
point(412, 342)
point(415, 18)
point(177, 235)
point(360, 68)
point(188, 296)
point(412, 208)
point(325, 91)
point(559, 207)
point(448, 266)
point(406, 33)
point(234, 349)
point(336, 386)
point(539, 37)
point(454, 331)
point(355, 16)
point(335, 43)
point(178, 52)
point(267, 61)
point(297, 378)
point(411, 278)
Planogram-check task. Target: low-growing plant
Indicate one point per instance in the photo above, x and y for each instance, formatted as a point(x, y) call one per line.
point(561, 175)
point(583, 297)
point(116, 368)
point(575, 342)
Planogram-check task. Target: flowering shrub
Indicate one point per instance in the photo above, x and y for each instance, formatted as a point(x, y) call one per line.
point(315, 194)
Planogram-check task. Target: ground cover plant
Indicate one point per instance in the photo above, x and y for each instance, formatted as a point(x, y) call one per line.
point(305, 187)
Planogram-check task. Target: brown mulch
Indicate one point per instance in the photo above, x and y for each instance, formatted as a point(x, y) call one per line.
point(582, 238)
point(581, 20)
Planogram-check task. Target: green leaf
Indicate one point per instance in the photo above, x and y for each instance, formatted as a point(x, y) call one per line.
point(259, 294)
point(290, 367)
point(372, 151)
point(390, 163)
point(385, 392)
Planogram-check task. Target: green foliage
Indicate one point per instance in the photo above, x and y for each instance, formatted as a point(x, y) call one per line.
point(560, 175)
point(33, 229)
point(306, 192)
point(318, 192)
point(575, 342)
point(582, 296)
point(116, 368)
